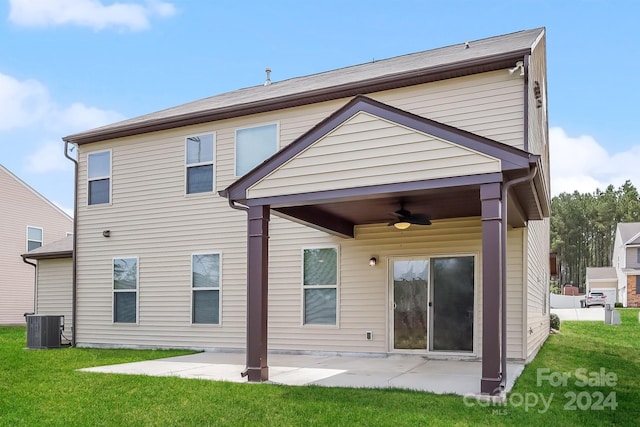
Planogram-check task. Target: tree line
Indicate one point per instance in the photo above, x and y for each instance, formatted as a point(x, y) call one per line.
point(583, 228)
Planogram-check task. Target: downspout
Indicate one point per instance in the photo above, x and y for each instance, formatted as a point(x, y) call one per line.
point(35, 281)
point(503, 283)
point(234, 205)
point(74, 262)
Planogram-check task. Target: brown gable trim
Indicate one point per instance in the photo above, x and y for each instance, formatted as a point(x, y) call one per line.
point(511, 157)
point(387, 82)
point(373, 191)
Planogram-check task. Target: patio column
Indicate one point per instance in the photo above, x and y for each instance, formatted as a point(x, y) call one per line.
point(490, 198)
point(257, 288)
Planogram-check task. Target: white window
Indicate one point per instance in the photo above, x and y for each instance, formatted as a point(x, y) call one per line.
point(125, 290)
point(320, 286)
point(34, 238)
point(99, 177)
point(199, 152)
point(205, 285)
point(254, 145)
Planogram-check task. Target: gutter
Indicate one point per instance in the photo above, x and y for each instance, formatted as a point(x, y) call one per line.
point(74, 261)
point(503, 282)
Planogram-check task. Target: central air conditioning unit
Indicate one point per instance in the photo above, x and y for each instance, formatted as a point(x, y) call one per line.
point(44, 331)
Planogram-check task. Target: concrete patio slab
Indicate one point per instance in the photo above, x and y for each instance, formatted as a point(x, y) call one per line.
point(413, 372)
point(586, 314)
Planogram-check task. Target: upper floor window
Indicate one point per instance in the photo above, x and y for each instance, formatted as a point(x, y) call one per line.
point(99, 177)
point(34, 238)
point(200, 163)
point(638, 255)
point(205, 282)
point(125, 290)
point(320, 285)
point(254, 145)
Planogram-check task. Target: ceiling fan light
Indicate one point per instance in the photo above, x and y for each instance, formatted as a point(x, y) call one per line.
point(402, 225)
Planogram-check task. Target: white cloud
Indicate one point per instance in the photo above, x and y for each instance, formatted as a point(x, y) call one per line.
point(582, 164)
point(88, 13)
point(49, 157)
point(21, 102)
point(78, 117)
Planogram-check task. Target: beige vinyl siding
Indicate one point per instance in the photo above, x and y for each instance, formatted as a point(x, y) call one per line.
point(537, 302)
point(487, 104)
point(150, 217)
point(363, 290)
point(366, 150)
point(54, 290)
point(515, 275)
point(20, 207)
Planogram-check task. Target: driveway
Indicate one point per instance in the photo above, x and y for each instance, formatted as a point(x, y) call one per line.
point(593, 313)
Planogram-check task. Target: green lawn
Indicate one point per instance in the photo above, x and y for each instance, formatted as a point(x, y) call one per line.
point(42, 387)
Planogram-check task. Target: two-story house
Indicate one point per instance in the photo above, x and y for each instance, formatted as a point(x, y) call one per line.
point(626, 261)
point(398, 206)
point(27, 221)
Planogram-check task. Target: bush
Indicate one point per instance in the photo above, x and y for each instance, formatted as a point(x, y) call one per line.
point(554, 321)
point(617, 305)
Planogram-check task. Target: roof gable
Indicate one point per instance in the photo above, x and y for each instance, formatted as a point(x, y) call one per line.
point(31, 190)
point(368, 150)
point(510, 158)
point(629, 232)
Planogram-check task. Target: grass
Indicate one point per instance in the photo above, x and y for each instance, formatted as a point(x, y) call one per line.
point(43, 387)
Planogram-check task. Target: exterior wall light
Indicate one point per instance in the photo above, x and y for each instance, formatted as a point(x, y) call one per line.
point(106, 233)
point(373, 261)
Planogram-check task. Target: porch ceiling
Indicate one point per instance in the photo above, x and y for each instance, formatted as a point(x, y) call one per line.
point(339, 217)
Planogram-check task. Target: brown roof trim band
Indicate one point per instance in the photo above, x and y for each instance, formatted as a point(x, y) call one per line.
point(391, 81)
point(374, 191)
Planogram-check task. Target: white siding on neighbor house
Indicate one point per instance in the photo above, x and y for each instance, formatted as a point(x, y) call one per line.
point(54, 290)
point(151, 217)
point(537, 297)
point(22, 207)
point(367, 150)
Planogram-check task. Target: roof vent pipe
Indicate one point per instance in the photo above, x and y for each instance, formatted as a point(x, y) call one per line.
point(268, 81)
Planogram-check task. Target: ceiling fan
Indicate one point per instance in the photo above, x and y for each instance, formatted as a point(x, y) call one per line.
point(404, 219)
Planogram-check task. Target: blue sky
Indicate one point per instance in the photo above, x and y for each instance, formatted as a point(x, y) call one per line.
point(71, 65)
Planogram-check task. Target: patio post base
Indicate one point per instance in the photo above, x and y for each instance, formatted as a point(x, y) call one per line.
point(256, 375)
point(490, 386)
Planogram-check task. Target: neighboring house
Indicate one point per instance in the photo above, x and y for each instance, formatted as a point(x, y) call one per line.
point(605, 280)
point(54, 275)
point(268, 211)
point(27, 221)
point(626, 261)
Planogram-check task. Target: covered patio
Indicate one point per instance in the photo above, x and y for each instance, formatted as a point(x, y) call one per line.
point(354, 168)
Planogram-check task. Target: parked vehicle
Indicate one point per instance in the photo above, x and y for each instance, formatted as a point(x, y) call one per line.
point(595, 298)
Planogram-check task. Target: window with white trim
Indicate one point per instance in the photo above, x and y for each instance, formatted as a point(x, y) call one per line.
point(99, 177)
point(320, 286)
point(200, 166)
point(34, 238)
point(254, 145)
point(125, 290)
point(205, 285)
